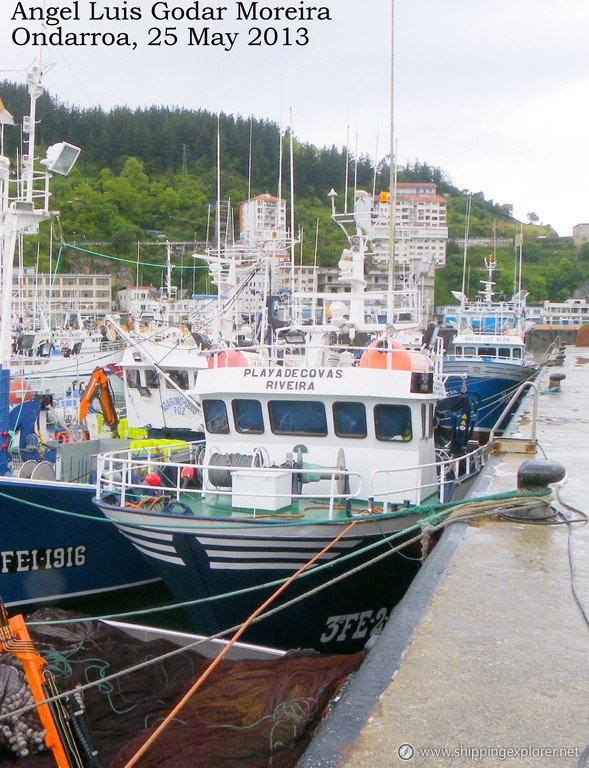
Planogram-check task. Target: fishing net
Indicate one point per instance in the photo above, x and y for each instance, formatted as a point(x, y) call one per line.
point(22, 735)
point(249, 713)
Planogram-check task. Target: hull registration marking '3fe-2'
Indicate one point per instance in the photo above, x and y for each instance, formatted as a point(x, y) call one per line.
point(358, 626)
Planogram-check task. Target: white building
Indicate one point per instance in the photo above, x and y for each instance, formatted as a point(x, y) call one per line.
point(136, 295)
point(262, 225)
point(421, 229)
point(88, 295)
point(261, 219)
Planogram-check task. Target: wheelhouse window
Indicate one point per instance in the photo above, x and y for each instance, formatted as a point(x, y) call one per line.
point(517, 353)
point(298, 417)
point(247, 415)
point(504, 352)
point(350, 420)
point(392, 423)
point(488, 351)
point(179, 377)
point(152, 378)
point(215, 413)
point(458, 350)
point(133, 378)
point(470, 351)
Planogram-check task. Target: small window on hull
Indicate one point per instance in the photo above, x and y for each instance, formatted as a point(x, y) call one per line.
point(350, 420)
point(297, 417)
point(152, 378)
point(247, 415)
point(215, 413)
point(179, 377)
point(392, 423)
point(133, 377)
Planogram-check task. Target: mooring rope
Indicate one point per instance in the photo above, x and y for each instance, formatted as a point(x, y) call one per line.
point(215, 663)
point(528, 499)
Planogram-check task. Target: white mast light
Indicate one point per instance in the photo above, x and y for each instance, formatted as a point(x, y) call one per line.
point(61, 158)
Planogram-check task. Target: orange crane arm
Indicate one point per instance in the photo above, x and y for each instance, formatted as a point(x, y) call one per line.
point(99, 386)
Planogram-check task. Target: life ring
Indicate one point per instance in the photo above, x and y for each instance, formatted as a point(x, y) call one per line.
point(20, 391)
point(393, 357)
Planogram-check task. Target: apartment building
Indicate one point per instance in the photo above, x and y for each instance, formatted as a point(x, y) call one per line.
point(90, 295)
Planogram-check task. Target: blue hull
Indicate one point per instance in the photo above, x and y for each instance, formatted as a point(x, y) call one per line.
point(48, 557)
point(495, 382)
point(338, 619)
point(353, 603)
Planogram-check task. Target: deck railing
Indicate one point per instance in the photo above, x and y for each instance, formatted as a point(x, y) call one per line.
point(125, 473)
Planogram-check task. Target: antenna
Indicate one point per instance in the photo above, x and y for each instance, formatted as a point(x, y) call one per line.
point(466, 233)
point(347, 175)
point(249, 166)
point(279, 163)
point(375, 167)
point(356, 157)
point(316, 244)
point(218, 222)
point(393, 174)
point(521, 250)
point(292, 219)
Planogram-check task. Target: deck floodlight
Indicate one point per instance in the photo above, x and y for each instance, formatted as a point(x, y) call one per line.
point(61, 158)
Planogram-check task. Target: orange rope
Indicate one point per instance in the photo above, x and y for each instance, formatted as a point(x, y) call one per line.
point(186, 698)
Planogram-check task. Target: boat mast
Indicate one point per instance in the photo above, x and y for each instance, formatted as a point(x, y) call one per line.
point(393, 178)
point(466, 235)
point(217, 328)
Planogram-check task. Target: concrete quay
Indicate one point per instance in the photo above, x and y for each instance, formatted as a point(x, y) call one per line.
point(485, 662)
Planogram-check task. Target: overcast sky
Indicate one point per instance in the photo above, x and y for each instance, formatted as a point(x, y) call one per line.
point(495, 92)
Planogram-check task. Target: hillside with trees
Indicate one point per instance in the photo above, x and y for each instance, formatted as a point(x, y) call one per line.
point(154, 170)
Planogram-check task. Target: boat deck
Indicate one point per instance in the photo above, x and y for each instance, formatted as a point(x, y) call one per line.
point(488, 652)
point(208, 505)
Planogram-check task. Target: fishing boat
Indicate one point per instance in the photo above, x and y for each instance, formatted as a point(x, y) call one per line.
point(317, 460)
point(49, 359)
point(55, 545)
point(488, 355)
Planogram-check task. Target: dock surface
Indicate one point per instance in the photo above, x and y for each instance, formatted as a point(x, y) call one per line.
point(486, 660)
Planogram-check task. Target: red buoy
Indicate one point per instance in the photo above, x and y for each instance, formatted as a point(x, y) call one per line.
point(230, 358)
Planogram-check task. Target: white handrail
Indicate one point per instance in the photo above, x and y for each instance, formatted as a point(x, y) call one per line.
point(524, 385)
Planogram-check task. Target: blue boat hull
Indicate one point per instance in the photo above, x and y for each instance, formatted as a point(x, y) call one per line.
point(495, 382)
point(339, 607)
point(338, 619)
point(50, 557)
